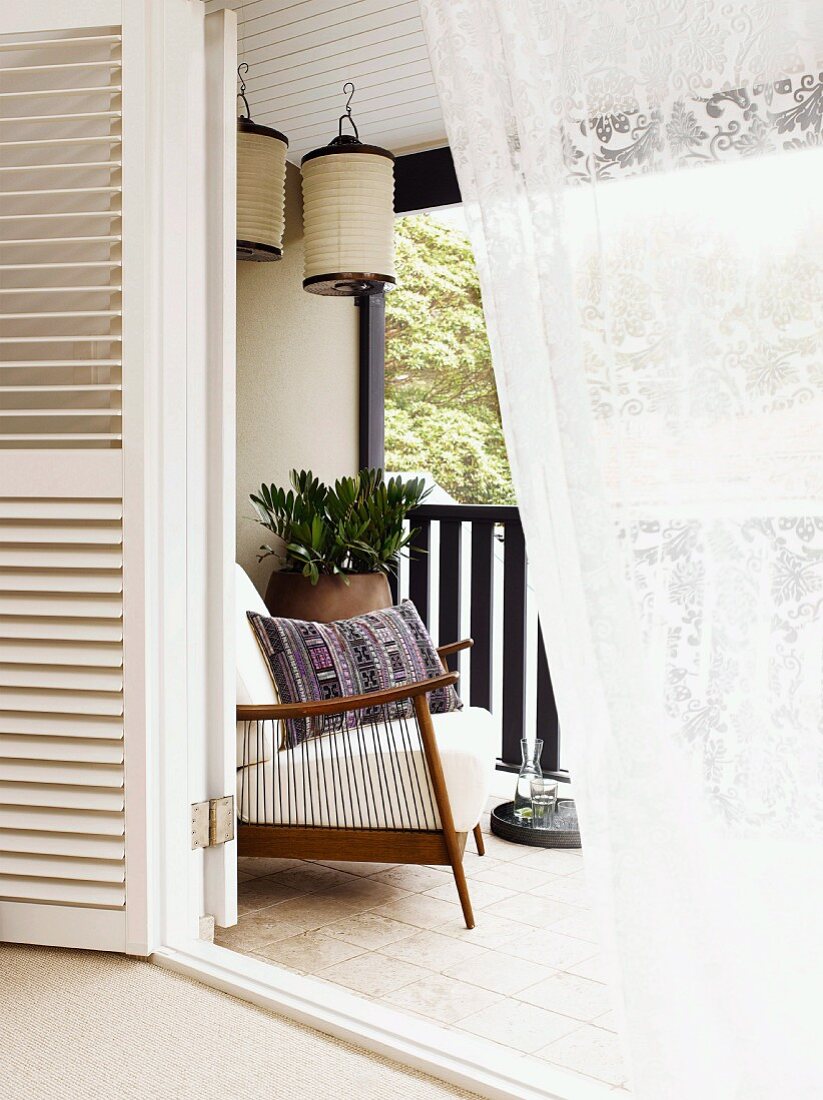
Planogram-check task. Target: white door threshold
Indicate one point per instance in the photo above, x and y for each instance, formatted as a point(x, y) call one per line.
point(452, 1057)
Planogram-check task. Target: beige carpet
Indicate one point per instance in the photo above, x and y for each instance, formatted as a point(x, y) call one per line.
point(84, 1026)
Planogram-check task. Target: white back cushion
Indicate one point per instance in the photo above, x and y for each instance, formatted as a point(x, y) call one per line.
point(254, 683)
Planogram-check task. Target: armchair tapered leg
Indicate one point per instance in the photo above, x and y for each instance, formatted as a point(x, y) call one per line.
point(454, 846)
point(478, 840)
point(463, 891)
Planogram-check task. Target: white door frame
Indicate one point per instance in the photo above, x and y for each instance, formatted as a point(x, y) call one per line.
point(195, 756)
point(183, 600)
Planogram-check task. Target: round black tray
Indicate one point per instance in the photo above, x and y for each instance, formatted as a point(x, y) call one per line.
point(564, 833)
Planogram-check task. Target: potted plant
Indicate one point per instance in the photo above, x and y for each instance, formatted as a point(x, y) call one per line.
point(336, 545)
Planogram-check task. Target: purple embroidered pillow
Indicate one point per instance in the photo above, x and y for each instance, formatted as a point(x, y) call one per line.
point(383, 649)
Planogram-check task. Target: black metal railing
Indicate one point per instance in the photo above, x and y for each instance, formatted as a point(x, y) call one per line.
point(485, 540)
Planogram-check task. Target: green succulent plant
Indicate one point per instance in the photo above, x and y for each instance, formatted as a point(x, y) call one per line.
point(354, 526)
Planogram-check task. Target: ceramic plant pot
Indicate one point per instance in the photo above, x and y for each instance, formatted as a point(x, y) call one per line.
point(293, 596)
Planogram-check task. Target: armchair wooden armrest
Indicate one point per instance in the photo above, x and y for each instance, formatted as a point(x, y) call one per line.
point(285, 711)
point(446, 651)
point(454, 647)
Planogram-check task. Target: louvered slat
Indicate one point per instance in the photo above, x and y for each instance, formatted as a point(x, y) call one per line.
point(29, 364)
point(60, 214)
point(38, 412)
point(61, 66)
point(61, 289)
point(73, 727)
point(107, 88)
point(35, 581)
point(62, 891)
point(49, 629)
point(53, 678)
point(73, 653)
point(59, 44)
point(50, 820)
point(43, 390)
point(99, 239)
point(80, 510)
point(44, 866)
point(62, 702)
point(82, 437)
point(61, 166)
point(49, 533)
point(37, 795)
point(68, 607)
point(72, 845)
point(76, 750)
point(76, 116)
point(63, 772)
point(31, 143)
point(38, 557)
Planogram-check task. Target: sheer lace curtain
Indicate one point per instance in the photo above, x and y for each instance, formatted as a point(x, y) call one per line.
point(642, 181)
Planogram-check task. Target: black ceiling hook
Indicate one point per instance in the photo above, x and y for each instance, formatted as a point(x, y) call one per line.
point(242, 93)
point(348, 89)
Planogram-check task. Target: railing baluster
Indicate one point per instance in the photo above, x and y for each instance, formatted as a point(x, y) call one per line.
point(514, 641)
point(547, 728)
point(481, 611)
point(449, 603)
point(518, 647)
point(419, 583)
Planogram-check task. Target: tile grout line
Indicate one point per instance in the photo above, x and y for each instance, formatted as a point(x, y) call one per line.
point(408, 885)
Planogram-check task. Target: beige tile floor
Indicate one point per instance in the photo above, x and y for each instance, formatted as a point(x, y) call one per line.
point(527, 978)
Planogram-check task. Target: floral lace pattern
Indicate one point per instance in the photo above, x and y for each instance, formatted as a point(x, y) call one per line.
point(702, 586)
point(657, 336)
point(615, 138)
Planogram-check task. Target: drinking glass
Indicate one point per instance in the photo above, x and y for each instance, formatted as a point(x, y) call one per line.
point(544, 801)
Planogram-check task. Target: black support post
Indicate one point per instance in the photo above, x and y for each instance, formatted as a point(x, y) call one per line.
point(372, 358)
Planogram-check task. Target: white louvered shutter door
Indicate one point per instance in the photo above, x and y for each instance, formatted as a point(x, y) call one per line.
point(116, 504)
point(62, 822)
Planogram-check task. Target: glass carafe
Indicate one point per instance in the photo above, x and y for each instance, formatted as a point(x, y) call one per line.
point(529, 769)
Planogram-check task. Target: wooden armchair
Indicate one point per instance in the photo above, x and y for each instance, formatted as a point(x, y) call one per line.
point(398, 788)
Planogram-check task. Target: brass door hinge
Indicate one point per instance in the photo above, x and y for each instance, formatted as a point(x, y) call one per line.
point(212, 822)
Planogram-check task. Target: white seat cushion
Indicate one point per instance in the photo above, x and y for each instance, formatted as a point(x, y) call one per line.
point(376, 778)
point(254, 682)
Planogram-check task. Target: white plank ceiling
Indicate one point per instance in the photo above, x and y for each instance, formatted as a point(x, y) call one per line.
point(301, 52)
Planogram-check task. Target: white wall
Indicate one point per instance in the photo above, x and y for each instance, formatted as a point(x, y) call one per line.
point(296, 380)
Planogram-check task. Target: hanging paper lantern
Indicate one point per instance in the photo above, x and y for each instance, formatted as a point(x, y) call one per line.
point(261, 186)
point(348, 215)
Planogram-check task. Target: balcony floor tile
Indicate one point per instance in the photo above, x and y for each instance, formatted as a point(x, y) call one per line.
point(446, 1000)
point(528, 979)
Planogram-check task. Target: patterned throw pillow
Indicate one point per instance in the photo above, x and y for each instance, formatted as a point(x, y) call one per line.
point(314, 661)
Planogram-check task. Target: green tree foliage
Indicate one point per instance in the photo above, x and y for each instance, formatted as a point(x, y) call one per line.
point(442, 414)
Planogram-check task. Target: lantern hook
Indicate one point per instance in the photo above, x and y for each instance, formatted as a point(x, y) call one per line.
point(348, 89)
point(244, 66)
